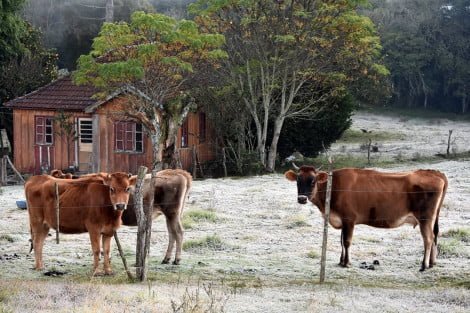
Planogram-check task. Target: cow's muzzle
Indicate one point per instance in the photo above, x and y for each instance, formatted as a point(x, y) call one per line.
point(302, 199)
point(120, 206)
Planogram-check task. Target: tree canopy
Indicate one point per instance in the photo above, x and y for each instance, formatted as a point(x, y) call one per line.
point(427, 48)
point(157, 60)
point(290, 59)
point(25, 64)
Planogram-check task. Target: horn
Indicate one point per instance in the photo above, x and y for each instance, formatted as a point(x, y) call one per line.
point(295, 166)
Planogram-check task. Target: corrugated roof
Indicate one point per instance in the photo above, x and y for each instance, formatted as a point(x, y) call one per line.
point(61, 94)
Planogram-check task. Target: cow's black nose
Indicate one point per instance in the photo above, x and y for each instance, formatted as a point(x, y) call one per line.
point(302, 199)
point(120, 206)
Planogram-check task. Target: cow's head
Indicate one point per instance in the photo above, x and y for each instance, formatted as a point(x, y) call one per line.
point(307, 179)
point(59, 174)
point(119, 188)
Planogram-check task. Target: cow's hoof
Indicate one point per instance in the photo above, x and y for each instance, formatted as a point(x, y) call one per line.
point(346, 265)
point(109, 273)
point(176, 262)
point(166, 261)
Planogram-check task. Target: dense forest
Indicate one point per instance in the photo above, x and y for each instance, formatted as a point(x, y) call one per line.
point(426, 43)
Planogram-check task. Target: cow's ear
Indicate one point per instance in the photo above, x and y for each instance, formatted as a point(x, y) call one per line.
point(133, 180)
point(322, 177)
point(106, 179)
point(291, 175)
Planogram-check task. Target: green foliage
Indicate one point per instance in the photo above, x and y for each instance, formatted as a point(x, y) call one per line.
point(196, 216)
point(290, 60)
point(12, 29)
point(212, 242)
point(160, 60)
point(461, 234)
point(311, 136)
point(25, 64)
point(426, 49)
point(151, 44)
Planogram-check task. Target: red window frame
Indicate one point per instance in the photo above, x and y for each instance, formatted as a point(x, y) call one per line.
point(128, 137)
point(44, 130)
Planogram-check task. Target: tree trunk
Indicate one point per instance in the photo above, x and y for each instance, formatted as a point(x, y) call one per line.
point(270, 166)
point(425, 91)
point(156, 152)
point(109, 11)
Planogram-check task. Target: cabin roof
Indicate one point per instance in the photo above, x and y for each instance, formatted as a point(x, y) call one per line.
point(61, 94)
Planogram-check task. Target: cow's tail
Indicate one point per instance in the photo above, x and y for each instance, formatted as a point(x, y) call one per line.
point(444, 190)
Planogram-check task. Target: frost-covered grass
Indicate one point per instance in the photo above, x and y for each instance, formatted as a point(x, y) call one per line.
point(271, 247)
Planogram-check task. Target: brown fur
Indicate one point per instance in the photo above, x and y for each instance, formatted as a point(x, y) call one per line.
point(90, 204)
point(170, 192)
point(377, 199)
point(60, 174)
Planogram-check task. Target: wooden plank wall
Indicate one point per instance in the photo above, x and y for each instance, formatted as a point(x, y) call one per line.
point(109, 160)
point(23, 136)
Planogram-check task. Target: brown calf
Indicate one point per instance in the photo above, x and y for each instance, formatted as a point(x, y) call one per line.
point(170, 192)
point(377, 199)
point(90, 204)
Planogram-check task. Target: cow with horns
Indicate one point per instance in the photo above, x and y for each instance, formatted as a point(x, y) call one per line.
point(377, 199)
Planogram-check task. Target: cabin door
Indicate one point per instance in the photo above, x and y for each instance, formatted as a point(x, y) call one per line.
point(85, 144)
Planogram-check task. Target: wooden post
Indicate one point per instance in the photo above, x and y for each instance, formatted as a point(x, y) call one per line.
point(368, 151)
point(13, 168)
point(141, 270)
point(123, 257)
point(3, 171)
point(448, 142)
point(326, 221)
point(57, 209)
point(224, 161)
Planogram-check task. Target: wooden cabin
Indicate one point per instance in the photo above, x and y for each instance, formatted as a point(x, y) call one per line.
point(100, 138)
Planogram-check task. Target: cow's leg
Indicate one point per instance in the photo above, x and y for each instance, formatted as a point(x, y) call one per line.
point(171, 239)
point(39, 233)
point(107, 259)
point(179, 239)
point(346, 239)
point(428, 240)
point(95, 247)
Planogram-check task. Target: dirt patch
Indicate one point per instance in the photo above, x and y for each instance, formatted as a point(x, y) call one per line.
point(268, 257)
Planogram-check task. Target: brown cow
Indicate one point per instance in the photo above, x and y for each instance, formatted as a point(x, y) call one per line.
point(90, 204)
point(170, 192)
point(385, 200)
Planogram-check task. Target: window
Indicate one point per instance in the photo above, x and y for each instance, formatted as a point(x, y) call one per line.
point(202, 127)
point(129, 137)
point(184, 134)
point(44, 130)
point(85, 130)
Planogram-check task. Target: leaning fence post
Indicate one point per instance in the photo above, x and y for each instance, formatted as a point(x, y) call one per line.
point(57, 209)
point(123, 257)
point(326, 221)
point(141, 249)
